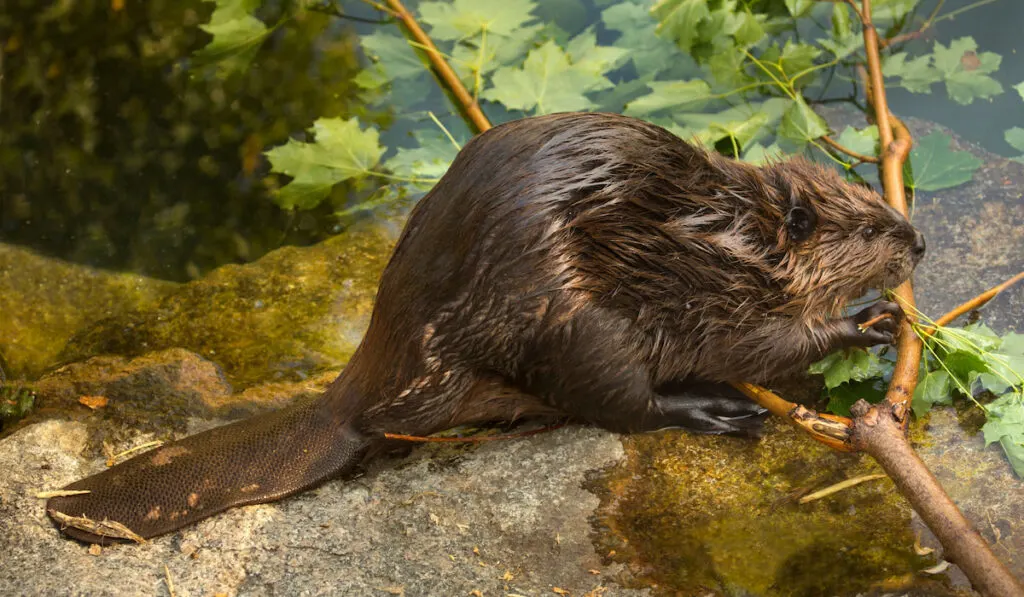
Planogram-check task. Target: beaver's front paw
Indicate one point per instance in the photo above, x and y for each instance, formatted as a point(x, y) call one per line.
point(874, 325)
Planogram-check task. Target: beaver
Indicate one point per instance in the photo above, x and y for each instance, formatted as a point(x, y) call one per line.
point(587, 265)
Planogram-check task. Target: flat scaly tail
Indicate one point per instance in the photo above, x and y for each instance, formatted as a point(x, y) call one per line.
point(253, 461)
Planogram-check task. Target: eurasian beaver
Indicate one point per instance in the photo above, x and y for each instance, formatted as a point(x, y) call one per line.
point(591, 265)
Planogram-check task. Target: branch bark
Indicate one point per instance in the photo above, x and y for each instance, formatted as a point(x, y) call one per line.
point(450, 81)
point(880, 430)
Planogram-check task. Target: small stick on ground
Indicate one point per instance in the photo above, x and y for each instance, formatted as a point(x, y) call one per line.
point(170, 583)
point(103, 528)
point(817, 495)
point(473, 439)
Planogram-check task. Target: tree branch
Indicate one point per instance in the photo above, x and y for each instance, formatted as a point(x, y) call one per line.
point(450, 81)
point(853, 154)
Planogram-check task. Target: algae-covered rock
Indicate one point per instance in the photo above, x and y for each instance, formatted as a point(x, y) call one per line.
point(46, 301)
point(295, 312)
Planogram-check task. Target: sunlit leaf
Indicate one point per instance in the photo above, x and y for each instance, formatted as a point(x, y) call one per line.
point(426, 162)
point(459, 19)
point(342, 150)
point(1020, 89)
point(932, 389)
point(843, 40)
point(669, 94)
point(548, 82)
point(747, 122)
point(237, 35)
point(965, 71)
point(586, 55)
point(759, 155)
point(679, 19)
point(936, 166)
point(799, 8)
point(636, 26)
point(801, 123)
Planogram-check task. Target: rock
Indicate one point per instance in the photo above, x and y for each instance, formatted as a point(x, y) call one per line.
point(46, 301)
point(506, 517)
point(295, 312)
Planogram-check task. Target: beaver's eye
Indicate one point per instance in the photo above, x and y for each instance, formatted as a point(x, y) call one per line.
point(869, 233)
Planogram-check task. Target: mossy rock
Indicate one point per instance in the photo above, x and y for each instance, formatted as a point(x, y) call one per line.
point(295, 312)
point(45, 301)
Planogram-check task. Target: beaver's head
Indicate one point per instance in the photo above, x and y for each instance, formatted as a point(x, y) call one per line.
point(837, 239)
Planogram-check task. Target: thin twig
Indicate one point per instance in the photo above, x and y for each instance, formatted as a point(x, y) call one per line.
point(977, 301)
point(831, 430)
point(841, 148)
point(477, 121)
point(836, 488)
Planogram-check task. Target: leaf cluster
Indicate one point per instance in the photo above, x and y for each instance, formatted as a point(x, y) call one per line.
point(970, 363)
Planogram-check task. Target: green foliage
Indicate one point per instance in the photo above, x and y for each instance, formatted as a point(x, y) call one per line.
point(965, 362)
point(547, 82)
point(670, 95)
point(1005, 425)
point(863, 141)
point(964, 71)
point(936, 166)
point(1015, 137)
point(237, 35)
point(342, 150)
point(853, 365)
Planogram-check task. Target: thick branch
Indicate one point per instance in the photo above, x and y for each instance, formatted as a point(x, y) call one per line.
point(878, 432)
point(467, 105)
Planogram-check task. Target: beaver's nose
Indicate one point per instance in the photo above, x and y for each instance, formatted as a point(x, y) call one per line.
point(918, 248)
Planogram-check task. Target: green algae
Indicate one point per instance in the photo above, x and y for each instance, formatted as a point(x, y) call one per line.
point(710, 515)
point(46, 301)
point(291, 314)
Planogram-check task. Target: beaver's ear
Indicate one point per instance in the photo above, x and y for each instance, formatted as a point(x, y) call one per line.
point(800, 219)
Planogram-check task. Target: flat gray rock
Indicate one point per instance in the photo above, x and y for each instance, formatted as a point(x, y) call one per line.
point(503, 518)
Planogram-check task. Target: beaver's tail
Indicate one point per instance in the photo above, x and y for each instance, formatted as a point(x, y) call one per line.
point(257, 460)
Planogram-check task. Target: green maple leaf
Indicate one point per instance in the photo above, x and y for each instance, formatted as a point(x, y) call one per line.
point(586, 55)
point(936, 166)
point(427, 162)
point(393, 54)
point(1020, 89)
point(934, 388)
point(916, 75)
point(460, 19)
point(801, 123)
point(679, 20)
point(237, 35)
point(844, 366)
point(799, 8)
point(548, 82)
point(669, 94)
point(649, 52)
point(746, 123)
point(863, 141)
point(342, 151)
point(965, 71)
point(759, 155)
point(1006, 425)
